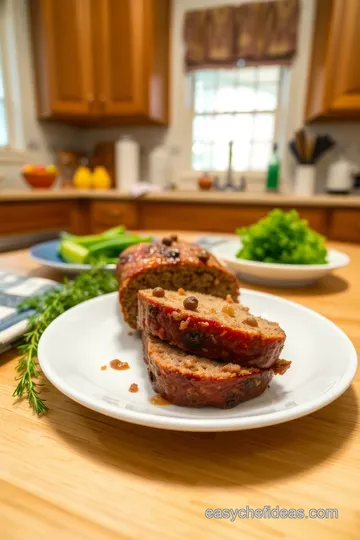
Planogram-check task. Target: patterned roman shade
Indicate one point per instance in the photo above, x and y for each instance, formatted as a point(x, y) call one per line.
point(256, 32)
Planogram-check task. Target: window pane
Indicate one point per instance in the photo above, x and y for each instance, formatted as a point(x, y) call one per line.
point(264, 125)
point(220, 156)
point(269, 74)
point(205, 91)
point(205, 100)
point(246, 98)
point(223, 128)
point(203, 128)
point(241, 155)
point(201, 159)
point(243, 127)
point(247, 75)
point(1, 84)
point(206, 78)
point(266, 98)
point(260, 156)
point(3, 127)
point(3, 130)
point(226, 95)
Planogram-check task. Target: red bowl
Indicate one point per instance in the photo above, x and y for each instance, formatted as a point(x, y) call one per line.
point(40, 180)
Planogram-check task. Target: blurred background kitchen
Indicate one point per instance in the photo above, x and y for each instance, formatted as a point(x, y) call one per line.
point(182, 114)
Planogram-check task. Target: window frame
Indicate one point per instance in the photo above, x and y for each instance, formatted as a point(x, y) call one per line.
point(278, 124)
point(14, 152)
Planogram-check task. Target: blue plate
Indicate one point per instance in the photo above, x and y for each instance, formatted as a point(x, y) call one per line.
point(46, 253)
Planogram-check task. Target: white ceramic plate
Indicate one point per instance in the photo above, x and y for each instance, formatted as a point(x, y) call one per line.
point(47, 254)
point(76, 345)
point(278, 275)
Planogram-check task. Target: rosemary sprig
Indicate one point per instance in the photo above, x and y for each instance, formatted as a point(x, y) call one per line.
point(47, 308)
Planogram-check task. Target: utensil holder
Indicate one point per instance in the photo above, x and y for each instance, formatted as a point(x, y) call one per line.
point(304, 180)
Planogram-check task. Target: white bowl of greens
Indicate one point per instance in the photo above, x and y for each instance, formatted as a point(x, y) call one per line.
point(72, 254)
point(280, 250)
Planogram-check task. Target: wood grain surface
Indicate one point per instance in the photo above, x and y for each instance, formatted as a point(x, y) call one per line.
point(245, 198)
point(75, 474)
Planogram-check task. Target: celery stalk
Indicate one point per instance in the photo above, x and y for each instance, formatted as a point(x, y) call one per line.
point(73, 253)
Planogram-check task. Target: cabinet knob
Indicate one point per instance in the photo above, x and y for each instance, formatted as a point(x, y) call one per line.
point(90, 98)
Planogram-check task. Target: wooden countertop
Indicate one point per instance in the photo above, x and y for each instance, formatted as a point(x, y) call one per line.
point(199, 197)
point(77, 474)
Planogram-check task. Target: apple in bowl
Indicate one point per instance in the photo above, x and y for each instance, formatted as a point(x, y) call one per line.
point(40, 176)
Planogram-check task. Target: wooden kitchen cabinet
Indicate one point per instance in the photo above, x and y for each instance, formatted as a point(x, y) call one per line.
point(200, 217)
point(101, 62)
point(334, 78)
point(133, 59)
point(63, 64)
point(107, 214)
point(19, 217)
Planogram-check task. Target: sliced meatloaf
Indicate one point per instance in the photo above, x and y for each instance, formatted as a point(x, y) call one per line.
point(191, 381)
point(170, 264)
point(216, 328)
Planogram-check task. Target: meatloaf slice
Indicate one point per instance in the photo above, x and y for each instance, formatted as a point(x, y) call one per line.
point(215, 329)
point(170, 265)
point(191, 381)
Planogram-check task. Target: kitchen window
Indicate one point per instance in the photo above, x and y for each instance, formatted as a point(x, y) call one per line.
point(3, 123)
point(240, 105)
point(12, 92)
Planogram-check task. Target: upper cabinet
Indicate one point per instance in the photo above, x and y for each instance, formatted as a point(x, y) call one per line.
point(102, 62)
point(63, 63)
point(334, 78)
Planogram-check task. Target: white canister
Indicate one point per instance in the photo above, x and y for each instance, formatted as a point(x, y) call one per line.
point(305, 177)
point(339, 179)
point(159, 167)
point(127, 162)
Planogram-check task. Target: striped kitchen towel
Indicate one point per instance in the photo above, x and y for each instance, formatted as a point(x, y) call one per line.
point(14, 288)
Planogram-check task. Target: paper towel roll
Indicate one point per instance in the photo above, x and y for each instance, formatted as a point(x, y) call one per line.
point(127, 159)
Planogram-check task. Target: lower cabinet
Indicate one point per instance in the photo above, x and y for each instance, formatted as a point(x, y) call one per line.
point(213, 217)
point(88, 215)
point(106, 214)
point(42, 215)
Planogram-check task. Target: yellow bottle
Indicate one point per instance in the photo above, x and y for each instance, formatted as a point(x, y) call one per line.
point(101, 178)
point(82, 178)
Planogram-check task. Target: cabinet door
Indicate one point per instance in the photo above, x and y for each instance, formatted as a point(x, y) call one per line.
point(63, 51)
point(122, 81)
point(343, 89)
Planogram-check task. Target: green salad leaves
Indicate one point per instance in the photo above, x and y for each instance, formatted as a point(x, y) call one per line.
point(284, 238)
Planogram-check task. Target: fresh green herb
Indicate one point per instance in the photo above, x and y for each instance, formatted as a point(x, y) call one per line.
point(282, 237)
point(48, 307)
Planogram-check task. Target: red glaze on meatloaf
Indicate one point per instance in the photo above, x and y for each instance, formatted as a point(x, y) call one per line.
point(171, 265)
point(215, 329)
point(191, 381)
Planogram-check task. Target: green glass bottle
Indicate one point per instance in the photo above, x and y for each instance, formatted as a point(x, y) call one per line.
point(273, 173)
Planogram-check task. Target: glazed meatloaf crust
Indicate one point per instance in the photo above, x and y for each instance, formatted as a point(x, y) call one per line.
point(190, 381)
point(216, 328)
point(170, 264)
